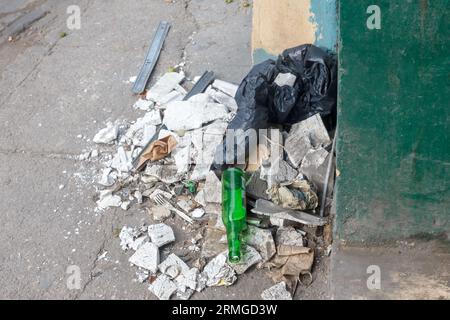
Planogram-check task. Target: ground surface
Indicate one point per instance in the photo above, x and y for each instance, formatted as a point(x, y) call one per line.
point(54, 89)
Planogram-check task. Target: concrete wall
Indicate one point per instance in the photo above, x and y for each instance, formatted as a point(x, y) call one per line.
point(282, 24)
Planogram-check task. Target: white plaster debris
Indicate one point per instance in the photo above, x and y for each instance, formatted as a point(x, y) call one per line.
point(161, 234)
point(122, 160)
point(205, 143)
point(108, 200)
point(143, 105)
point(107, 179)
point(250, 256)
point(125, 205)
point(224, 99)
point(131, 238)
point(285, 79)
point(226, 87)
point(146, 257)
point(193, 113)
point(164, 86)
point(277, 292)
point(142, 275)
point(107, 135)
point(218, 272)
point(198, 213)
point(173, 266)
point(187, 280)
point(213, 188)
point(163, 287)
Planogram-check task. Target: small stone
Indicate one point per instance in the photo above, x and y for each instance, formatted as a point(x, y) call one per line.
point(160, 213)
point(262, 240)
point(161, 234)
point(277, 292)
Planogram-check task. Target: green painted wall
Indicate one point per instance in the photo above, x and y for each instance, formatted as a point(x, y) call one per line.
point(394, 116)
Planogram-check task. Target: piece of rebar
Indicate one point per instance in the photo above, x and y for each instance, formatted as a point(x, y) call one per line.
point(152, 57)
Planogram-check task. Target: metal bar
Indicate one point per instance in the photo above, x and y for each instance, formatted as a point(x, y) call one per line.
point(205, 80)
point(327, 176)
point(152, 57)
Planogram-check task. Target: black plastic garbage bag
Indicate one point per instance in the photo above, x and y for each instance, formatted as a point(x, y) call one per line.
point(262, 102)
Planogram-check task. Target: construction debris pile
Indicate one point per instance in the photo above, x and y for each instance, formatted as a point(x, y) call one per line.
point(163, 164)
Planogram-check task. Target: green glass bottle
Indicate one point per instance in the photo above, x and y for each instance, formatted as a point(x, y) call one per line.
point(234, 210)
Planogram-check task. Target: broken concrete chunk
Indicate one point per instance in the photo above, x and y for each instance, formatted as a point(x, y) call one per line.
point(296, 148)
point(289, 237)
point(107, 179)
point(122, 160)
point(164, 86)
point(167, 173)
point(186, 295)
point(107, 135)
point(314, 129)
point(219, 273)
point(146, 257)
point(224, 99)
point(262, 240)
point(256, 187)
point(187, 280)
point(213, 188)
point(226, 87)
point(314, 167)
point(192, 114)
point(277, 292)
point(173, 266)
point(109, 201)
point(285, 79)
point(171, 96)
point(249, 258)
point(127, 236)
point(163, 287)
point(160, 213)
point(276, 172)
point(143, 104)
point(161, 234)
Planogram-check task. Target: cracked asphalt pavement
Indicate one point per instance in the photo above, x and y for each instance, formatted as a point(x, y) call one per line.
point(55, 94)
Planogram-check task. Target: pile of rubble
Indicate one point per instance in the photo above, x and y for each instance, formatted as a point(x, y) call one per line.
point(162, 163)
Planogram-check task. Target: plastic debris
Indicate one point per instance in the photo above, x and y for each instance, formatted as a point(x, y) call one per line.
point(277, 292)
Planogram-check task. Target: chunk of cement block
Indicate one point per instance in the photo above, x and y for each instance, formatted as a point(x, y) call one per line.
point(163, 287)
point(213, 188)
point(173, 266)
point(161, 234)
point(262, 240)
point(146, 257)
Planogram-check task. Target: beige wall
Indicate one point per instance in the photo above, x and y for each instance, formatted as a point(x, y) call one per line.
point(281, 24)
